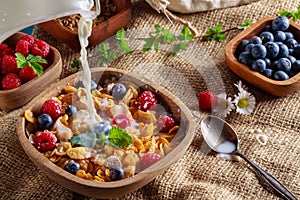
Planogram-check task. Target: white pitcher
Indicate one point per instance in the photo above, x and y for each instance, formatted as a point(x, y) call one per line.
point(16, 15)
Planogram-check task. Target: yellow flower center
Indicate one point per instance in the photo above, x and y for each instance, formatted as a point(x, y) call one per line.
point(243, 103)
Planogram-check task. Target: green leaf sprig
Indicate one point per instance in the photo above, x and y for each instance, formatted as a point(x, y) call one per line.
point(160, 36)
point(291, 14)
point(244, 26)
point(215, 34)
point(183, 39)
point(122, 42)
point(118, 138)
point(106, 55)
point(76, 64)
point(32, 61)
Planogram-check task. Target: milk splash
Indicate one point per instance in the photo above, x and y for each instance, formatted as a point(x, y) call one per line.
point(84, 31)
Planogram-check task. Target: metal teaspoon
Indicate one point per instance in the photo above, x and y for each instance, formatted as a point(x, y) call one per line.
point(221, 137)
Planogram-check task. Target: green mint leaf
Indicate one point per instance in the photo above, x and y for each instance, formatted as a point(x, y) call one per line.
point(105, 55)
point(119, 138)
point(218, 28)
point(76, 64)
point(285, 13)
point(210, 31)
point(36, 67)
point(21, 60)
point(35, 59)
point(122, 42)
point(149, 42)
point(185, 31)
point(31, 61)
point(176, 49)
point(246, 24)
point(87, 139)
point(220, 37)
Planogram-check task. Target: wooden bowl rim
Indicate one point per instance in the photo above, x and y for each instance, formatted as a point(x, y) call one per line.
point(101, 25)
point(31, 83)
point(169, 159)
point(229, 52)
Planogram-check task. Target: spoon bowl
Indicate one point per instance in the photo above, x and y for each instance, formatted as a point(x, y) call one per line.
point(222, 138)
point(219, 135)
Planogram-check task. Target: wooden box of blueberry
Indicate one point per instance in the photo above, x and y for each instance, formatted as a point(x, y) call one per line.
point(267, 55)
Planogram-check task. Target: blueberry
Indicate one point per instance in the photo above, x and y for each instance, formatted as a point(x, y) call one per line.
point(291, 51)
point(284, 64)
point(256, 40)
point(274, 65)
point(268, 28)
point(279, 36)
point(101, 128)
point(44, 121)
point(266, 37)
point(118, 91)
point(259, 51)
point(272, 49)
point(70, 110)
point(280, 23)
point(291, 74)
point(281, 75)
point(259, 65)
point(291, 58)
point(291, 43)
point(249, 47)
point(72, 167)
point(241, 47)
point(93, 85)
point(289, 35)
point(296, 52)
point(283, 50)
point(245, 58)
point(268, 62)
point(296, 66)
point(268, 73)
point(116, 173)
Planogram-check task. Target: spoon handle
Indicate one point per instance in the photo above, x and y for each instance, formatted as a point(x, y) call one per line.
point(269, 179)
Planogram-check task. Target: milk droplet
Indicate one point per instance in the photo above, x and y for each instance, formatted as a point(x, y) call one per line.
point(262, 139)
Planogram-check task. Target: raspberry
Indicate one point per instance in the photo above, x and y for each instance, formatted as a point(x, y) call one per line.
point(45, 141)
point(146, 101)
point(26, 74)
point(207, 100)
point(10, 81)
point(40, 48)
point(5, 50)
point(51, 108)
point(122, 121)
point(165, 123)
point(9, 65)
point(22, 47)
point(149, 159)
point(27, 38)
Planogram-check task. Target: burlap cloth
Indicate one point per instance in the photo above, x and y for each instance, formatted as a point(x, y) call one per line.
point(197, 175)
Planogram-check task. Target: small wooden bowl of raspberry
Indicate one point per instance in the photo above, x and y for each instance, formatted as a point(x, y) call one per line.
point(27, 67)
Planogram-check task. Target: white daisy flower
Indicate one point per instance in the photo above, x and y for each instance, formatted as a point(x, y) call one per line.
point(240, 86)
point(244, 102)
point(224, 105)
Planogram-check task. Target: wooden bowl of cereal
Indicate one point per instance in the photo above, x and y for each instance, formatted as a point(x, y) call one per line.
point(139, 130)
point(19, 95)
point(115, 14)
